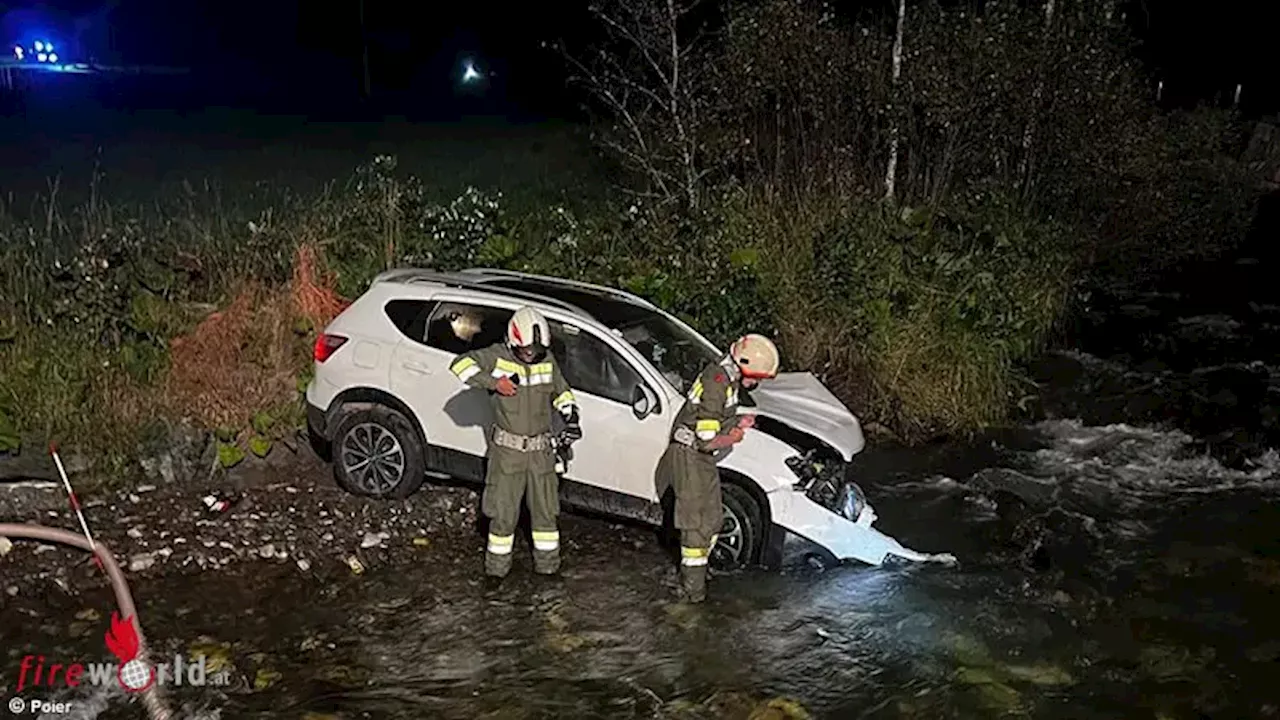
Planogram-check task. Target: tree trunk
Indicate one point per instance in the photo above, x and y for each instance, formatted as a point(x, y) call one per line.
point(1037, 95)
point(364, 54)
point(891, 175)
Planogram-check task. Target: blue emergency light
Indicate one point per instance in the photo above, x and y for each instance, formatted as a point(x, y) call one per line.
point(40, 50)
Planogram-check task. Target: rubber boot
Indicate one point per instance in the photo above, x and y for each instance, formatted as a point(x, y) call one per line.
point(693, 583)
point(546, 562)
point(497, 566)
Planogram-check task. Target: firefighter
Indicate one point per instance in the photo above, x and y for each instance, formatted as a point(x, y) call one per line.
point(708, 424)
point(526, 385)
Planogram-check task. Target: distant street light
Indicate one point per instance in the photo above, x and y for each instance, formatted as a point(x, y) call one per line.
point(470, 75)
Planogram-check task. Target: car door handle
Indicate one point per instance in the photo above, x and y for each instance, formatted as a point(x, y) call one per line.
point(418, 367)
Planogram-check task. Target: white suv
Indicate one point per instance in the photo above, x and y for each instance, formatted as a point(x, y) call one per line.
point(386, 410)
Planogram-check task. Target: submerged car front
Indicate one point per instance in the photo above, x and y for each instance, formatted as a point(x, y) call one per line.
point(804, 442)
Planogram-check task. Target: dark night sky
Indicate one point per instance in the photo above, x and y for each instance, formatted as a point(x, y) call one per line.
point(248, 52)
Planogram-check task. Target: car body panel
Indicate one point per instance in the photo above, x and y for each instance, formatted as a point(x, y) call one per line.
point(844, 539)
point(803, 402)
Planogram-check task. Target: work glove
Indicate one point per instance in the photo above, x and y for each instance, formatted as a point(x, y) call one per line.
point(733, 437)
point(571, 433)
point(505, 387)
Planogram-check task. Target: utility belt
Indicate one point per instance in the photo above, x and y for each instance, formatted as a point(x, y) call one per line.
point(521, 443)
point(684, 435)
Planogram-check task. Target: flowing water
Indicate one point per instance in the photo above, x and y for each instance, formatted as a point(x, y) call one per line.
point(1120, 558)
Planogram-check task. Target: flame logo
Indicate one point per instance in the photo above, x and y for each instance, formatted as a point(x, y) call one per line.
point(122, 641)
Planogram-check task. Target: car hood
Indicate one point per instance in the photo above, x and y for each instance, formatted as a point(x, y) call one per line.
point(803, 402)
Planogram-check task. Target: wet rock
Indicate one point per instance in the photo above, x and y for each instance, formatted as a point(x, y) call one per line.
point(141, 562)
point(1034, 492)
point(265, 678)
point(1168, 662)
point(304, 565)
point(779, 709)
point(175, 453)
point(374, 539)
point(6, 545)
point(1266, 652)
point(267, 551)
point(217, 655)
point(1042, 675)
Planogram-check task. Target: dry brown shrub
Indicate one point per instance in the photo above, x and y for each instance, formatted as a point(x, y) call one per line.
point(312, 288)
point(237, 361)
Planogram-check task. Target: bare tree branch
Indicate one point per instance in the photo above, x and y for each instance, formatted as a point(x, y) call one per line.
point(647, 80)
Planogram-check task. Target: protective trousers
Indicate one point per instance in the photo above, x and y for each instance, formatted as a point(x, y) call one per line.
point(511, 476)
point(698, 515)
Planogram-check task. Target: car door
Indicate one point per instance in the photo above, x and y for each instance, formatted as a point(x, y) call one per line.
point(618, 451)
point(453, 415)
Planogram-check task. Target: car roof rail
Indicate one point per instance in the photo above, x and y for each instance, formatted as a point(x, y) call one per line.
point(420, 276)
point(562, 282)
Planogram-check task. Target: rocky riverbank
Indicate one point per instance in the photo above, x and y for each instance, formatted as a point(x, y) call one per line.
point(285, 509)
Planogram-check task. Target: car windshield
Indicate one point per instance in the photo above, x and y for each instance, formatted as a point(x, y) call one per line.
point(676, 352)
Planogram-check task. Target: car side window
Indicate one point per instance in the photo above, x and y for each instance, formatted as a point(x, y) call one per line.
point(461, 327)
point(590, 365)
point(409, 317)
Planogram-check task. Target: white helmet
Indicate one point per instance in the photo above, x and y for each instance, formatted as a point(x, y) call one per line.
point(756, 356)
point(528, 328)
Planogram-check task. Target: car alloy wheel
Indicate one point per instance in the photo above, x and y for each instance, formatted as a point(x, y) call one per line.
point(729, 550)
point(372, 458)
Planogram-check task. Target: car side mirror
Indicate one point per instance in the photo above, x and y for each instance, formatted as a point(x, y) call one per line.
point(643, 401)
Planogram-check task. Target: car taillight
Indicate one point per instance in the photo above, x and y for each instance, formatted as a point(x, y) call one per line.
point(327, 345)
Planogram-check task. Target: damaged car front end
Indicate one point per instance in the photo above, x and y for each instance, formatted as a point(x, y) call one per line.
point(817, 498)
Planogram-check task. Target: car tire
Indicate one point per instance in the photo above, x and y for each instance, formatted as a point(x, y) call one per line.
point(399, 470)
point(745, 533)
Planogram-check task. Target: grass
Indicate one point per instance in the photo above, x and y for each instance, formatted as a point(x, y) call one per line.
point(195, 300)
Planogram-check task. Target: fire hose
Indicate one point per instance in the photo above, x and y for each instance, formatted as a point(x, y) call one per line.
point(152, 699)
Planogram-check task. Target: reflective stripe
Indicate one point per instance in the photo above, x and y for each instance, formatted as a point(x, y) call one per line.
point(540, 373)
point(546, 539)
point(731, 396)
point(501, 544)
point(465, 368)
point(714, 539)
point(563, 399)
point(695, 556)
point(695, 392)
point(707, 429)
point(502, 366)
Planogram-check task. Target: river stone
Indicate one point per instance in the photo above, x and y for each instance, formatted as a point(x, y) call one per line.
point(138, 563)
point(174, 452)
